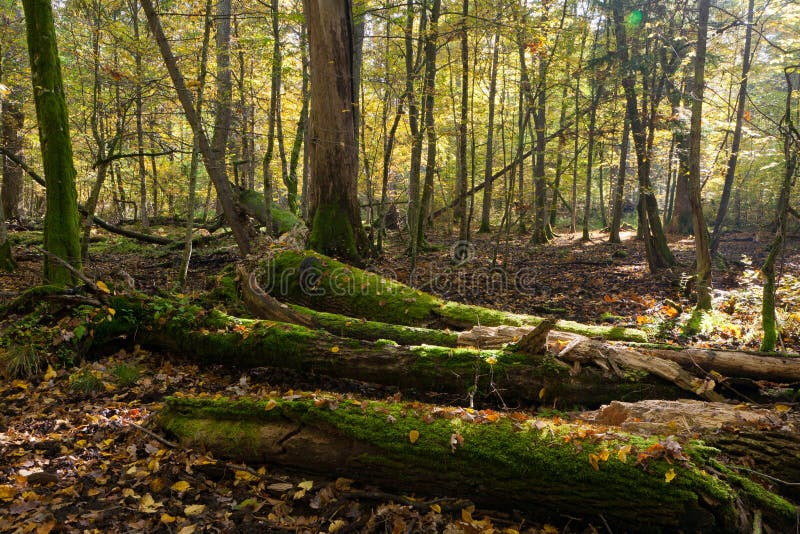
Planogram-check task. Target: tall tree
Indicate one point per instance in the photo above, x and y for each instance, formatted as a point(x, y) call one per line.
point(656, 248)
point(61, 224)
point(489, 160)
point(333, 155)
point(741, 104)
point(619, 186)
point(703, 277)
point(234, 214)
point(461, 159)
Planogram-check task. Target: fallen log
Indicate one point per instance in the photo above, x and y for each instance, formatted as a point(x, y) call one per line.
point(318, 282)
point(495, 376)
point(254, 205)
point(544, 466)
point(761, 442)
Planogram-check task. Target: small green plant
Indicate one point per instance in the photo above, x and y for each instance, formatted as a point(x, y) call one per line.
point(85, 382)
point(125, 374)
point(21, 361)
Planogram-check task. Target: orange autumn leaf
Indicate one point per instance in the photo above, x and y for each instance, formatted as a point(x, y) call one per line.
point(594, 459)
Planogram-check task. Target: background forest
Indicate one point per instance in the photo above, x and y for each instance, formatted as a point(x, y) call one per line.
point(624, 168)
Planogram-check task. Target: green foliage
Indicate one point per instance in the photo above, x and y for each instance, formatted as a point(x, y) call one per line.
point(21, 361)
point(86, 382)
point(125, 374)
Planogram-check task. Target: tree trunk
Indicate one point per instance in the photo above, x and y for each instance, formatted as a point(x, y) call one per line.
point(294, 157)
point(429, 100)
point(461, 172)
point(235, 216)
point(542, 233)
point(542, 466)
point(61, 224)
point(619, 187)
point(489, 160)
point(11, 138)
point(274, 102)
point(333, 207)
point(741, 104)
point(321, 283)
point(701, 241)
point(791, 148)
point(139, 128)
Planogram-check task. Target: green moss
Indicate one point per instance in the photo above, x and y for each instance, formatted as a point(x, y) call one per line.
point(332, 232)
point(344, 289)
point(282, 220)
point(532, 464)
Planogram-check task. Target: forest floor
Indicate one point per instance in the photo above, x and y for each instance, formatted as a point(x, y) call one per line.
point(76, 456)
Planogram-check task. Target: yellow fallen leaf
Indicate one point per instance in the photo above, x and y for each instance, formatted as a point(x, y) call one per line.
point(167, 519)
point(336, 525)
point(188, 529)
point(102, 286)
point(542, 392)
point(593, 459)
point(112, 311)
point(549, 529)
point(603, 454)
point(306, 485)
point(7, 492)
point(50, 373)
point(436, 508)
point(413, 436)
point(270, 405)
point(622, 453)
point(148, 505)
point(181, 485)
point(194, 509)
point(335, 349)
point(669, 475)
point(782, 408)
point(491, 360)
point(466, 515)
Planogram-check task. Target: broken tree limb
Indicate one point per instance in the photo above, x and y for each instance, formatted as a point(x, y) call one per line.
point(545, 466)
point(254, 205)
point(213, 337)
point(322, 283)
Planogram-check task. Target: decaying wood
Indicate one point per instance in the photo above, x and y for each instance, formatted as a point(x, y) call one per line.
point(266, 307)
point(535, 341)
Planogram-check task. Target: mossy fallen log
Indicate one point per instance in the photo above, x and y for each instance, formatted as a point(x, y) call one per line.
point(497, 375)
point(544, 466)
point(321, 283)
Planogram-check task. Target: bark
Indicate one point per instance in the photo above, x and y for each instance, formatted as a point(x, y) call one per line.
point(11, 138)
point(594, 104)
point(280, 220)
point(294, 157)
point(61, 225)
point(412, 214)
point(333, 155)
point(235, 216)
point(274, 110)
point(429, 100)
point(536, 465)
point(619, 186)
point(701, 239)
point(7, 262)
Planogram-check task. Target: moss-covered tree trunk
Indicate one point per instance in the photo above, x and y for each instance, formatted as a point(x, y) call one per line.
point(545, 466)
point(333, 156)
point(61, 224)
point(322, 283)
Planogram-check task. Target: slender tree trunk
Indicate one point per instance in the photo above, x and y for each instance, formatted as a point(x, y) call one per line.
point(542, 232)
point(489, 160)
point(593, 105)
point(657, 250)
point(183, 271)
point(236, 217)
point(274, 99)
point(576, 147)
point(302, 120)
point(61, 225)
point(429, 100)
point(562, 144)
point(461, 178)
point(137, 56)
point(412, 214)
point(11, 138)
point(701, 241)
point(619, 187)
point(333, 207)
point(741, 103)
point(791, 148)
